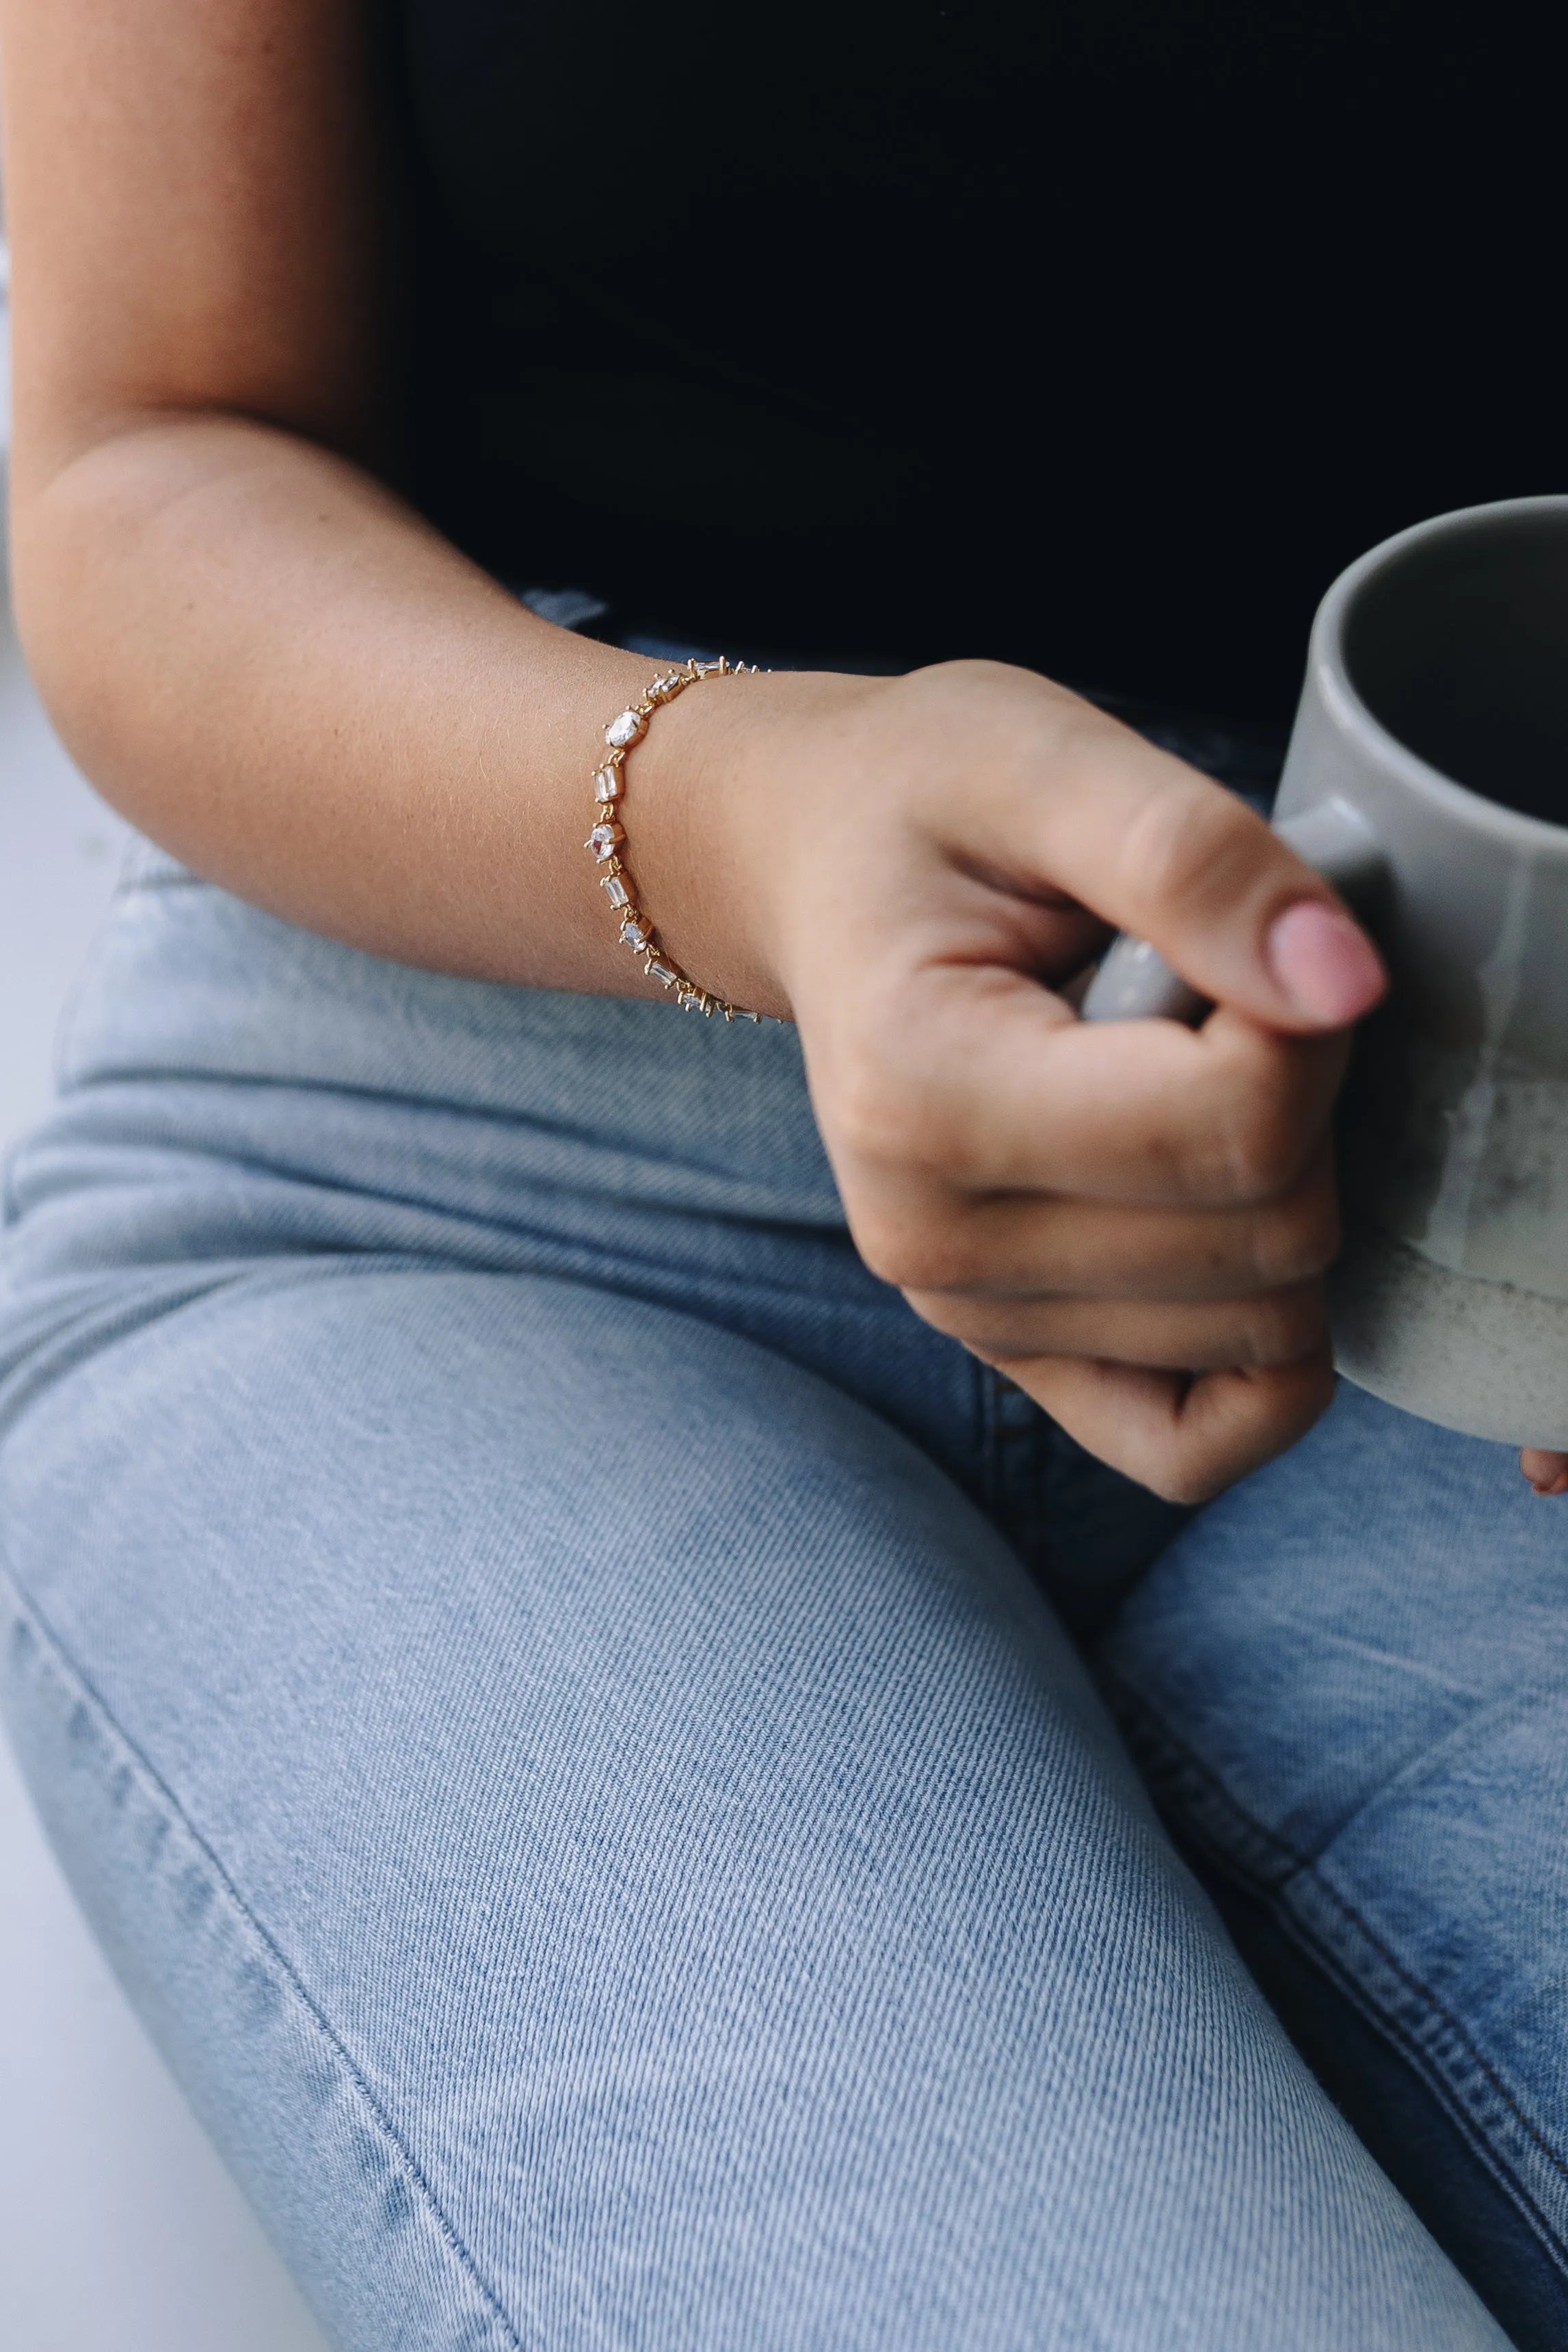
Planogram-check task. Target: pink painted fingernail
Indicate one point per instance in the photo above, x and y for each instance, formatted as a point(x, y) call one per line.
point(1325, 963)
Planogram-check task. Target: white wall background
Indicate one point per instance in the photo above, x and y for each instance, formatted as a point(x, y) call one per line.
point(120, 2231)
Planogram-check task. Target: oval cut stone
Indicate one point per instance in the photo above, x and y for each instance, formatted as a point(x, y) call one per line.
point(624, 729)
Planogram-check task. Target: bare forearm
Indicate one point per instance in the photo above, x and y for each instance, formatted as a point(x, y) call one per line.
point(285, 678)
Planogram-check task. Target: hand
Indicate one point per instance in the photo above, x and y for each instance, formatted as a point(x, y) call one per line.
point(1547, 1472)
point(1130, 1220)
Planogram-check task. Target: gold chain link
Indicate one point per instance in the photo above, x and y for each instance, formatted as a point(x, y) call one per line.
point(624, 730)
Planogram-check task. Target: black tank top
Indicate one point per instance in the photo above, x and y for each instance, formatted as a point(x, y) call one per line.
point(1094, 334)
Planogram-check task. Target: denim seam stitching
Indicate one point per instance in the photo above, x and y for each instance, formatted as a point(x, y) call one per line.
point(1146, 1730)
point(1422, 1992)
point(70, 1674)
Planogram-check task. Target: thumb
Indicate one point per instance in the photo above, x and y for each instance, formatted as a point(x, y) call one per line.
point(1160, 850)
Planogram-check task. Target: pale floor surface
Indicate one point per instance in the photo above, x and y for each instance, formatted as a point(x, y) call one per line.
point(120, 2231)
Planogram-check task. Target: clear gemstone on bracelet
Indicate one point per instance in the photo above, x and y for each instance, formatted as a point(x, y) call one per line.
point(609, 784)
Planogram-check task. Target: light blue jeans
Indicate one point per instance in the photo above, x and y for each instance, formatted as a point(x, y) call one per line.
point(550, 1685)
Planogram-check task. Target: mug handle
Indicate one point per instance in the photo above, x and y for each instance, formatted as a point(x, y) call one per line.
point(1134, 982)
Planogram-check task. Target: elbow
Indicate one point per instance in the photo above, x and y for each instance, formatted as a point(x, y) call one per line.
point(52, 610)
point(86, 574)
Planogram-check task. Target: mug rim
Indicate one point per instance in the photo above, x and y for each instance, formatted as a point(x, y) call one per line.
point(1326, 661)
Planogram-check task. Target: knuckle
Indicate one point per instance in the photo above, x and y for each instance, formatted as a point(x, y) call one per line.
point(986, 1335)
point(1282, 1326)
point(943, 1314)
point(870, 1118)
point(1297, 1242)
point(945, 1259)
point(902, 1245)
point(1192, 842)
point(942, 1244)
point(897, 1114)
point(1259, 1148)
point(890, 1246)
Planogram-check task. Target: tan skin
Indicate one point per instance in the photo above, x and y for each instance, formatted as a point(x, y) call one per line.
point(279, 671)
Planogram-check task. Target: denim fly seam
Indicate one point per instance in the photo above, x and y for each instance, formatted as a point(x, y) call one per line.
point(1324, 1923)
point(247, 1985)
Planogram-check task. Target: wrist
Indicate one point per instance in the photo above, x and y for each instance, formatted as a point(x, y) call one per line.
point(716, 791)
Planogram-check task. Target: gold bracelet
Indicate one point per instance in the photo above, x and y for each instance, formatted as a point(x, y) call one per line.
point(628, 728)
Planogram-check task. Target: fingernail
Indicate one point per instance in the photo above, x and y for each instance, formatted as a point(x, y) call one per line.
point(1325, 963)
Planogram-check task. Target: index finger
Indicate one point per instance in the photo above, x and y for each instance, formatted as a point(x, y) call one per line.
point(999, 1089)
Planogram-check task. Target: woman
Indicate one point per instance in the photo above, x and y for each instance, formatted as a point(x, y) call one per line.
point(538, 1549)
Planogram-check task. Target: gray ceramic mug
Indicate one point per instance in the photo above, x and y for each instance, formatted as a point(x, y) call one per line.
point(1427, 778)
